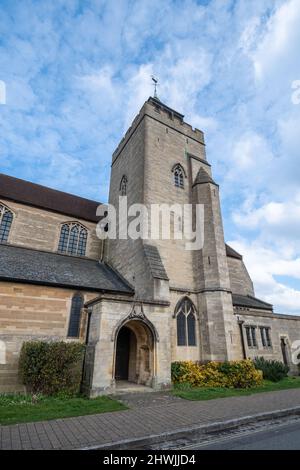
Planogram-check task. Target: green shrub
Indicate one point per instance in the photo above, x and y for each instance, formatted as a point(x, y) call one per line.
point(51, 368)
point(178, 369)
point(231, 374)
point(272, 370)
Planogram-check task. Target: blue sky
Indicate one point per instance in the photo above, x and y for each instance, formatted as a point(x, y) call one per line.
point(76, 73)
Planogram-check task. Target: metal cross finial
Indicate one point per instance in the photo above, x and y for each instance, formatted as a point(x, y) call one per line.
point(155, 83)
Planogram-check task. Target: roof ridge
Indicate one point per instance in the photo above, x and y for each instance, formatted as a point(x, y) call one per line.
point(42, 186)
point(50, 199)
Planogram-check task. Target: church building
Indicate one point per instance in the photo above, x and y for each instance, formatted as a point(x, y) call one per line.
point(137, 304)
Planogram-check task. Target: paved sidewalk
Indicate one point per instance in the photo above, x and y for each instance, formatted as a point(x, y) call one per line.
point(155, 414)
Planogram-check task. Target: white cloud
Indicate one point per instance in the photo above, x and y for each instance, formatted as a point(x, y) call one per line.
point(275, 215)
point(264, 264)
point(275, 52)
point(82, 70)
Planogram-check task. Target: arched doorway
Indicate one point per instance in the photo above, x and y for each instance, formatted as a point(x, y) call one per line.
point(126, 346)
point(134, 353)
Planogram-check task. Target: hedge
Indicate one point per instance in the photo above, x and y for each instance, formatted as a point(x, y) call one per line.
point(231, 374)
point(272, 370)
point(51, 367)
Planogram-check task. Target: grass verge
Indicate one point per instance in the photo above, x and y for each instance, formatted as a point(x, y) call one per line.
point(201, 393)
point(24, 408)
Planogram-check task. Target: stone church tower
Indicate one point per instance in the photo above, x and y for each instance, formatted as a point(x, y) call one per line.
point(158, 144)
point(139, 304)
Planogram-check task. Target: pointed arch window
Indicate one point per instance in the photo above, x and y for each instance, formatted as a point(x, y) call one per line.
point(73, 239)
point(75, 313)
point(6, 218)
point(178, 175)
point(185, 313)
point(123, 185)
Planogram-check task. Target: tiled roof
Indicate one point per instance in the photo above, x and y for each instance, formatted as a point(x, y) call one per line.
point(155, 262)
point(250, 302)
point(36, 195)
point(38, 267)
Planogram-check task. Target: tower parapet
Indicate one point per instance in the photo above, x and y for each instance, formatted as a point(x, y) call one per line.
point(157, 110)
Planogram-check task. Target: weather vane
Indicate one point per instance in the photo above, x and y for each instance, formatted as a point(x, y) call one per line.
point(155, 83)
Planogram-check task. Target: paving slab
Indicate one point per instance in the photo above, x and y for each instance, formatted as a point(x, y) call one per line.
point(155, 414)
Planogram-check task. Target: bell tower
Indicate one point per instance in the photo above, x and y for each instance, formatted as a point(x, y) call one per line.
point(162, 160)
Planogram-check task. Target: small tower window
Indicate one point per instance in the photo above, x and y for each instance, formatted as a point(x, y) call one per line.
point(123, 185)
point(186, 322)
point(6, 218)
point(73, 238)
point(178, 173)
point(74, 323)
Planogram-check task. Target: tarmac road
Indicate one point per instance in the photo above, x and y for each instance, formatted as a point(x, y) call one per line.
point(282, 437)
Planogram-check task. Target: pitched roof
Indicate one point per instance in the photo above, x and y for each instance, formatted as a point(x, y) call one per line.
point(250, 302)
point(203, 177)
point(38, 267)
point(155, 262)
point(232, 253)
point(36, 195)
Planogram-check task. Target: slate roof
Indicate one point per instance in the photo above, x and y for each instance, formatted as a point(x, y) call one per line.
point(250, 302)
point(203, 177)
point(232, 253)
point(37, 267)
point(155, 262)
point(36, 195)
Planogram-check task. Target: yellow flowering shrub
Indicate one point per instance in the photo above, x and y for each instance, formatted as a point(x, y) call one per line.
point(230, 374)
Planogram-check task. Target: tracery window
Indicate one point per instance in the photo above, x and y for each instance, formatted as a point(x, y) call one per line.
point(123, 185)
point(186, 322)
point(73, 239)
point(6, 218)
point(178, 176)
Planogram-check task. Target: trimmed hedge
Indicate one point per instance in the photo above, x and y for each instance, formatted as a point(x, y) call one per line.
point(51, 368)
point(272, 370)
point(231, 374)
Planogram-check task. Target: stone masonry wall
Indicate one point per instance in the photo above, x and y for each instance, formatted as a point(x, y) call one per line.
point(165, 146)
point(282, 326)
point(126, 255)
point(240, 280)
point(31, 312)
point(40, 229)
point(107, 315)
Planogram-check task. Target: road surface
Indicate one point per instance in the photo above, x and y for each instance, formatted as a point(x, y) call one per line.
point(281, 437)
